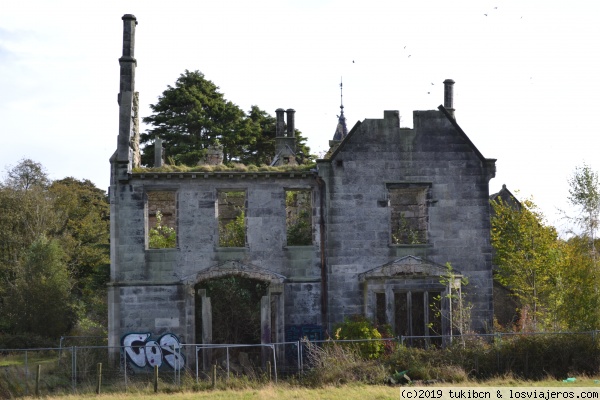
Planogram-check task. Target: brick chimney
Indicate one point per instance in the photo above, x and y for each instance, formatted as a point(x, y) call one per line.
point(449, 96)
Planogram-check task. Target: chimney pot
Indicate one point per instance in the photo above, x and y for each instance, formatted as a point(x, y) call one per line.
point(449, 96)
point(290, 122)
point(280, 124)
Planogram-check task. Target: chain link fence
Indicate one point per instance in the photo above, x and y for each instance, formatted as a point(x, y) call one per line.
point(85, 369)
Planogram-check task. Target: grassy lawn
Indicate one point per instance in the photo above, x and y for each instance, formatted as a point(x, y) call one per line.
point(346, 392)
point(284, 392)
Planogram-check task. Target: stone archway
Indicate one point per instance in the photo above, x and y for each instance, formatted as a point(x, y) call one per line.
point(272, 320)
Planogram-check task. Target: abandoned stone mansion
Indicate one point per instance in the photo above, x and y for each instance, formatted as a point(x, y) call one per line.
point(367, 230)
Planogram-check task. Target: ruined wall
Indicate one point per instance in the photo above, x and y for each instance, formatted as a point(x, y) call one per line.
point(161, 281)
point(377, 156)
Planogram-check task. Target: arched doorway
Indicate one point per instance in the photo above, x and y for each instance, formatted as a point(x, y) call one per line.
point(238, 303)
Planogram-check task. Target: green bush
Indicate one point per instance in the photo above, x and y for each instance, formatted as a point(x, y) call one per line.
point(358, 327)
point(162, 236)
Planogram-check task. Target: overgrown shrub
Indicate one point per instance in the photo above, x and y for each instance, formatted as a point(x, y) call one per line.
point(336, 364)
point(26, 341)
point(522, 356)
point(162, 236)
point(359, 327)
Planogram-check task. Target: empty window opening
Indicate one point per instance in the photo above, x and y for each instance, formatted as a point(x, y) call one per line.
point(408, 215)
point(298, 212)
point(231, 208)
point(162, 219)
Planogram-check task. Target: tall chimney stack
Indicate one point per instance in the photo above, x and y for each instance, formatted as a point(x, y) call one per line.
point(449, 96)
point(280, 124)
point(126, 95)
point(290, 122)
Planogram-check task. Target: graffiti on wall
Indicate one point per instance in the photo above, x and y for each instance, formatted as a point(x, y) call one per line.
point(143, 352)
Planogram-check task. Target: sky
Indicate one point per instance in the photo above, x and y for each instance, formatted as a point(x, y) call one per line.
point(527, 75)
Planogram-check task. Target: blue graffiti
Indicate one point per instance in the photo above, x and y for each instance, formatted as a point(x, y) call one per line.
point(143, 352)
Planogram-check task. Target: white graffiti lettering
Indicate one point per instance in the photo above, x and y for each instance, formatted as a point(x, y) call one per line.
point(143, 352)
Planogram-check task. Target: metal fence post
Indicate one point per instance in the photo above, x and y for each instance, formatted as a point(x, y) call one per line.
point(227, 348)
point(298, 351)
point(74, 366)
point(196, 351)
point(26, 374)
point(274, 361)
point(124, 364)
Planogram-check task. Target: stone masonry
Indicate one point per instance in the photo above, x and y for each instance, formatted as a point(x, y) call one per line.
point(429, 179)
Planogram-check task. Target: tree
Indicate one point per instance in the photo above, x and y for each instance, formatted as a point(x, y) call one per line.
point(528, 257)
point(579, 309)
point(26, 212)
point(26, 174)
point(83, 232)
point(193, 115)
point(585, 195)
point(73, 216)
point(260, 148)
point(38, 300)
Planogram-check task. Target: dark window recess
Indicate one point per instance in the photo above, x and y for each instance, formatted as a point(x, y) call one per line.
point(380, 309)
point(298, 217)
point(408, 215)
point(231, 210)
point(162, 219)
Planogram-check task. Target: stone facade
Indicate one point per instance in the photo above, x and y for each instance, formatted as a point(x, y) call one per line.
point(390, 207)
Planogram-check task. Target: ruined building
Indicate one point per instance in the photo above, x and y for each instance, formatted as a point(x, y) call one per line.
point(386, 210)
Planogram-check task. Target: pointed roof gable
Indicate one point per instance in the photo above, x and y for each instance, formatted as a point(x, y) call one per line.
point(486, 161)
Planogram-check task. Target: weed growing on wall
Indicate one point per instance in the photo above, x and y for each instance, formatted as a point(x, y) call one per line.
point(162, 236)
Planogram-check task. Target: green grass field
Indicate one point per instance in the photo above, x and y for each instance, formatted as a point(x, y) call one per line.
point(286, 391)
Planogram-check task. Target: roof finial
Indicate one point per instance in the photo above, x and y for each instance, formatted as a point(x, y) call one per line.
point(341, 130)
point(341, 95)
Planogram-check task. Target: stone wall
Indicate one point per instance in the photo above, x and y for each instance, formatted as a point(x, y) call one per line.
point(377, 155)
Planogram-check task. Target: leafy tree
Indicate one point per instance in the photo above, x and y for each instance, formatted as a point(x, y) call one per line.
point(584, 194)
point(579, 300)
point(459, 307)
point(83, 232)
point(26, 212)
point(193, 115)
point(260, 148)
point(528, 257)
point(39, 299)
point(73, 216)
point(26, 174)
